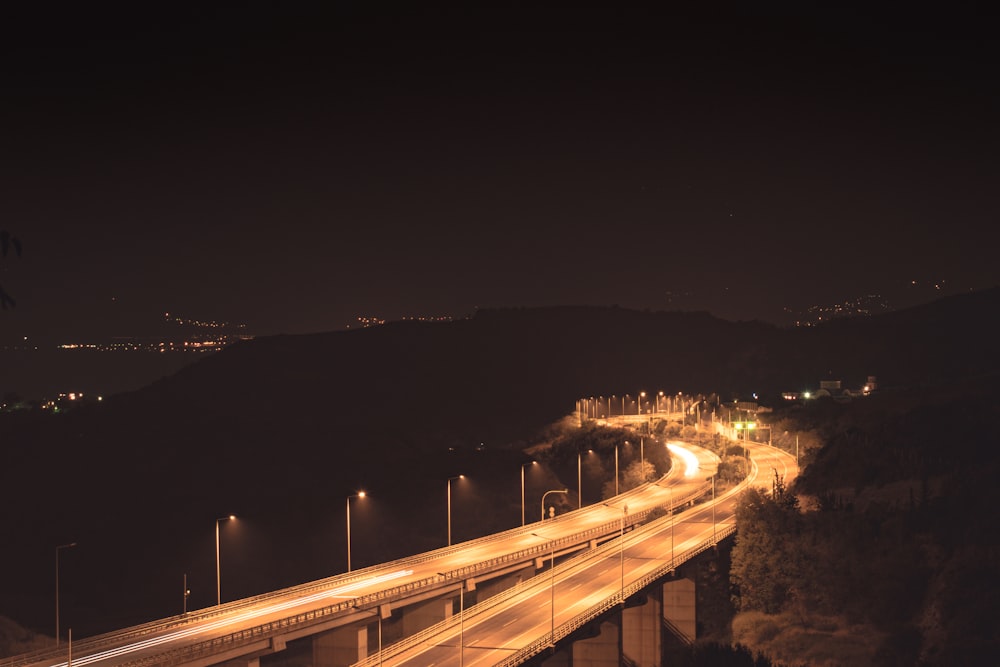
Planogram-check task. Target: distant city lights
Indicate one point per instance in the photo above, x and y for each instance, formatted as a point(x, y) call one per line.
point(372, 321)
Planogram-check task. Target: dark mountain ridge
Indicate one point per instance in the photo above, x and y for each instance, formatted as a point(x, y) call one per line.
point(282, 429)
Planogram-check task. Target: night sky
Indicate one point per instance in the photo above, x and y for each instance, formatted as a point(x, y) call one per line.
point(294, 169)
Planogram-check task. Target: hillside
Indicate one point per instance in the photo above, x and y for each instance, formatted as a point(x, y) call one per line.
point(280, 430)
point(885, 552)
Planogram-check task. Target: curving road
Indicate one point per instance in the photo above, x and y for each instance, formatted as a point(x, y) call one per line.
point(515, 625)
point(246, 626)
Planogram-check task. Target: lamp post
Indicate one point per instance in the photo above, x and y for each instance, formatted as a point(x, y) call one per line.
point(673, 520)
point(713, 507)
point(461, 619)
point(522, 487)
point(638, 402)
point(746, 445)
point(621, 549)
point(616, 469)
point(218, 568)
point(377, 612)
point(642, 459)
point(359, 494)
point(579, 479)
point(552, 578)
point(547, 493)
point(450, 479)
point(58, 548)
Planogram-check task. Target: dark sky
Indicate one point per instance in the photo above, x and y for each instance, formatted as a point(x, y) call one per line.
point(293, 169)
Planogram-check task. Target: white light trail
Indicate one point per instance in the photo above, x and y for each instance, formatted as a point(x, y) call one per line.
point(232, 620)
point(690, 460)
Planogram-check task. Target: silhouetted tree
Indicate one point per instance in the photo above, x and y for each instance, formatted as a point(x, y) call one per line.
point(766, 564)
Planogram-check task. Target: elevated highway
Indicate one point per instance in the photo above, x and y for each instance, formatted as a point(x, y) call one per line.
point(243, 631)
point(510, 628)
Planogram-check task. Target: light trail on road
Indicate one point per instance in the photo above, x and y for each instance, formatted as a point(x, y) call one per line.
point(245, 616)
point(690, 459)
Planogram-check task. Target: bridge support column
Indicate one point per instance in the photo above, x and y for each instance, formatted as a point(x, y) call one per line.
point(488, 589)
point(242, 662)
point(600, 651)
point(343, 646)
point(679, 609)
point(641, 628)
point(560, 658)
point(421, 615)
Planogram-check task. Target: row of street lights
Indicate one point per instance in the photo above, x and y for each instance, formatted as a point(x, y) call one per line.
point(579, 482)
point(552, 561)
point(661, 402)
point(363, 494)
point(360, 494)
point(579, 475)
point(218, 571)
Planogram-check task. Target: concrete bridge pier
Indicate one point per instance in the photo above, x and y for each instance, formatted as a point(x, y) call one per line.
point(342, 646)
point(601, 649)
point(242, 662)
point(680, 609)
point(425, 613)
point(277, 646)
point(349, 643)
point(641, 626)
point(634, 634)
point(488, 589)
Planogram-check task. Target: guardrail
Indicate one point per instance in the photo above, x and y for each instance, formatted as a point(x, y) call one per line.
point(94, 644)
point(605, 550)
point(249, 635)
point(566, 628)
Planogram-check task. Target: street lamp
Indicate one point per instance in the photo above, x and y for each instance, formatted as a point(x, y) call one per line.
point(713, 507)
point(616, 467)
point(621, 549)
point(642, 459)
point(359, 494)
point(673, 520)
point(377, 612)
point(579, 482)
point(638, 402)
point(218, 569)
point(552, 575)
point(461, 617)
point(61, 546)
point(450, 479)
point(547, 493)
point(522, 487)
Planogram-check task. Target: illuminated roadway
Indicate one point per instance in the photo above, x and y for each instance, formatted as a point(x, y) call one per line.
point(515, 625)
point(263, 624)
